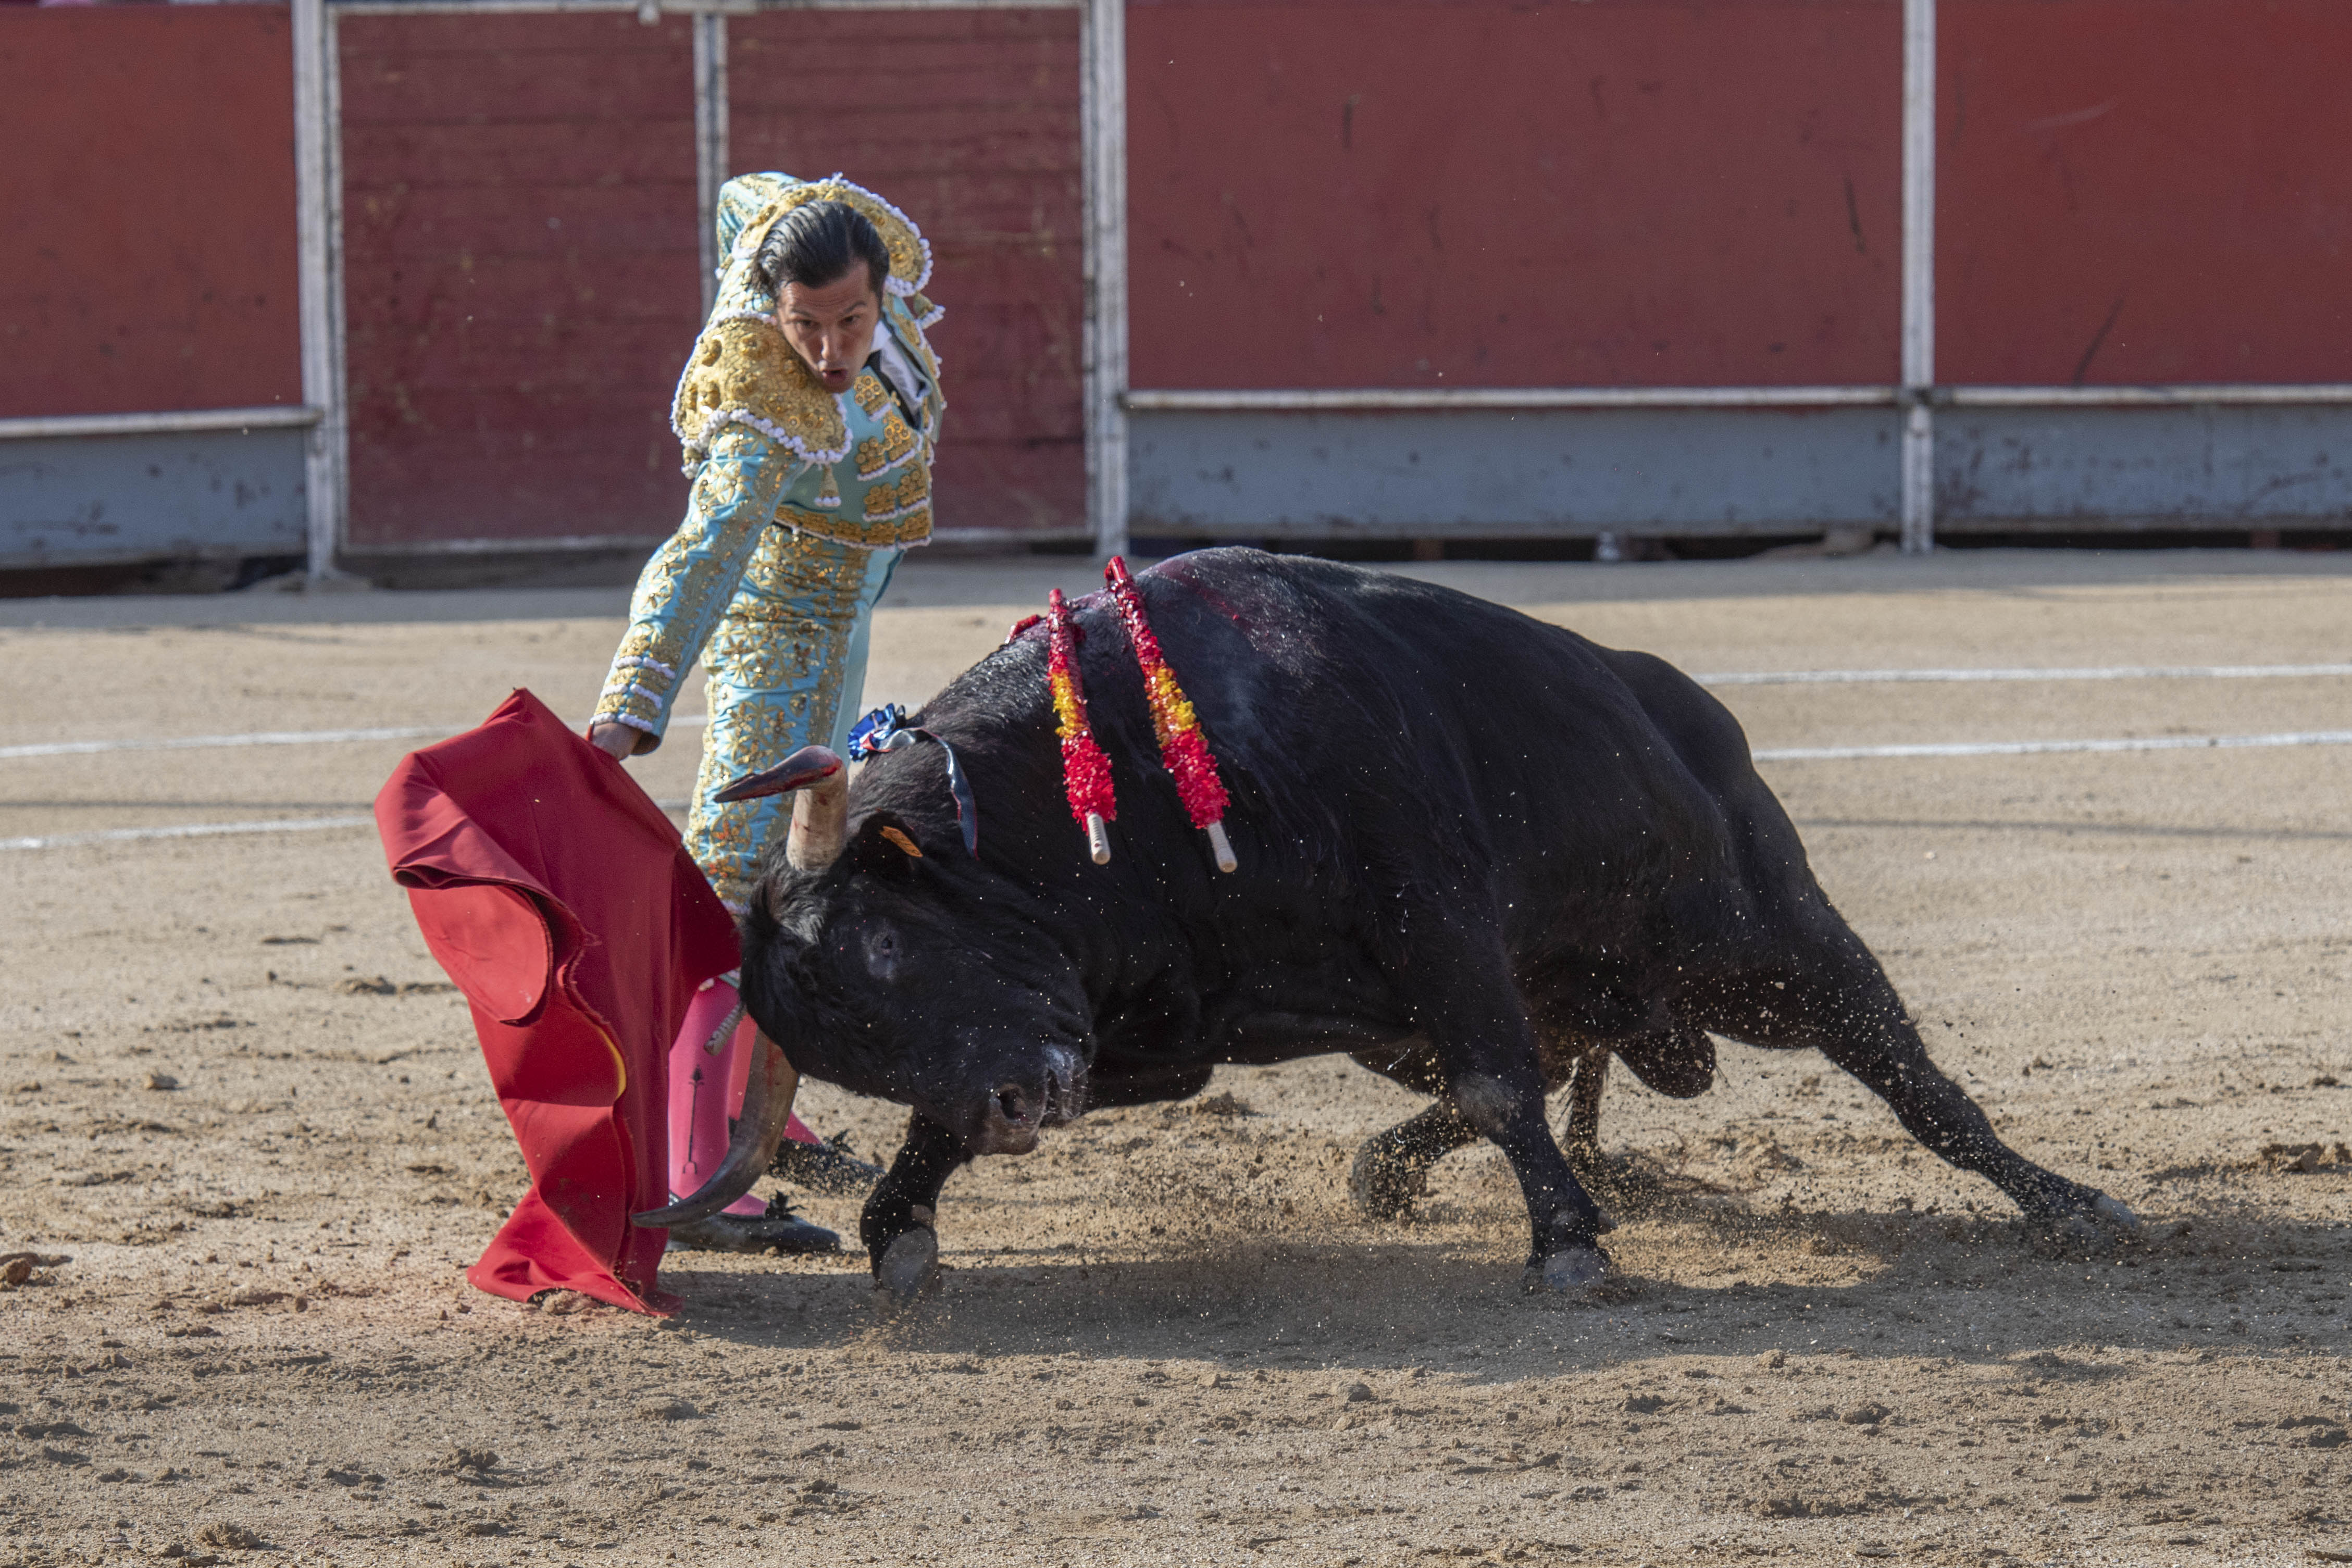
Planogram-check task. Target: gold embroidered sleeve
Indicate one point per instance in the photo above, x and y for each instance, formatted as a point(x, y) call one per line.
point(691, 580)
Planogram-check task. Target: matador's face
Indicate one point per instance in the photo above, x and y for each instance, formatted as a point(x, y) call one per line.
point(832, 327)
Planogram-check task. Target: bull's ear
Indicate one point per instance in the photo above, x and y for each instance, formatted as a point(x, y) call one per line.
point(885, 846)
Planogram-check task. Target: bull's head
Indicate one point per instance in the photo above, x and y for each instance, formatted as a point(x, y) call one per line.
point(921, 978)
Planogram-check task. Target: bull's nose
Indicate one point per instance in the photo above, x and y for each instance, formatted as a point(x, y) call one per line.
point(1009, 1121)
point(1008, 1118)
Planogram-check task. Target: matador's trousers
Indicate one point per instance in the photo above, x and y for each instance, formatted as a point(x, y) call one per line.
point(786, 667)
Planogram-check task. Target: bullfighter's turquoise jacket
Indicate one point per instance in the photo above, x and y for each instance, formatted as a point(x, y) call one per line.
point(802, 503)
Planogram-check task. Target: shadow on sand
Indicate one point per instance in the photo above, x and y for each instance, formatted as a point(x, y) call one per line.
point(1884, 1285)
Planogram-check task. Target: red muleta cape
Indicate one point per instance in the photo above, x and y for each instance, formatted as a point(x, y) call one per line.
point(561, 901)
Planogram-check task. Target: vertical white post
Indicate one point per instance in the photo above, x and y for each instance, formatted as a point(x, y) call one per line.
point(711, 152)
point(315, 248)
point(1918, 275)
point(337, 419)
point(1102, 128)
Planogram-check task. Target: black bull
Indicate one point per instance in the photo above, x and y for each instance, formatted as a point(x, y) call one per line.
point(1475, 850)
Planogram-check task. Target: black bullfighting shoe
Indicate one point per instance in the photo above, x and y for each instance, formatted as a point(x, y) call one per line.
point(827, 1167)
point(778, 1230)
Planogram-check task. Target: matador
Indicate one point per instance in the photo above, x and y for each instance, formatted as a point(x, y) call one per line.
point(809, 411)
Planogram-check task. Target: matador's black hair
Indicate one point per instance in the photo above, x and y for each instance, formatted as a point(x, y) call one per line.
point(816, 244)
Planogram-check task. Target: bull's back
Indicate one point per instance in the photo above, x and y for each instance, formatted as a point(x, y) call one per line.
point(1531, 738)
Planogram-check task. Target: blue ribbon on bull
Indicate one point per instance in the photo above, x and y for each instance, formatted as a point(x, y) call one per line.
point(886, 729)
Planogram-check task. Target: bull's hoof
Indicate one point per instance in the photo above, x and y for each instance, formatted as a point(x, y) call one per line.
point(2098, 1226)
point(1566, 1270)
point(2115, 1214)
point(909, 1265)
point(1384, 1185)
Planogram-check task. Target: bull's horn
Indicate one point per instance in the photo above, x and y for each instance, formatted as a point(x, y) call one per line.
point(821, 815)
point(767, 1106)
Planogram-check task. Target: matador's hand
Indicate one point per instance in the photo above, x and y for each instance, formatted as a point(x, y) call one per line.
point(616, 739)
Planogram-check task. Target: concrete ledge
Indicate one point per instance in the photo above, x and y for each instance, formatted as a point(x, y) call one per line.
point(1502, 473)
point(2029, 470)
point(93, 501)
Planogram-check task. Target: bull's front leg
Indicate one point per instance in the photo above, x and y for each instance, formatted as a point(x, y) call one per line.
point(1470, 1010)
point(1564, 1252)
point(900, 1223)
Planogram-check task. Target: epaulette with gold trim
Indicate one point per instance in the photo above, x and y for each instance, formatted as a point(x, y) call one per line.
point(742, 372)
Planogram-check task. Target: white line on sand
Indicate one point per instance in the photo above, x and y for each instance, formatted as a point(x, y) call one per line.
point(219, 830)
point(2103, 672)
point(1782, 754)
point(266, 738)
point(198, 743)
point(1737, 678)
point(1734, 677)
point(188, 830)
point(2039, 748)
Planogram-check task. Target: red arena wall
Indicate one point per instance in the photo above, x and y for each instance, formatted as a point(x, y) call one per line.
point(2141, 191)
point(969, 120)
point(1417, 193)
point(1323, 193)
point(147, 210)
point(521, 274)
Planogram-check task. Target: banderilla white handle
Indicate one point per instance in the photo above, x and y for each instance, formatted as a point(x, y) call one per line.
point(1223, 847)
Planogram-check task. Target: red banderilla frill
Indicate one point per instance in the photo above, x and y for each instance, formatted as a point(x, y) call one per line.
point(1086, 772)
point(1184, 749)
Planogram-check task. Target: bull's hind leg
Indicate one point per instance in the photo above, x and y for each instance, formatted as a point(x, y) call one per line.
point(1831, 994)
point(1580, 1135)
point(900, 1225)
point(1392, 1170)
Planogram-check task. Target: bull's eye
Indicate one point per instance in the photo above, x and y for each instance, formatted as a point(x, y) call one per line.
point(882, 953)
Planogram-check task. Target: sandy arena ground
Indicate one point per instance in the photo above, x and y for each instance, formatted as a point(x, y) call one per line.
point(244, 1125)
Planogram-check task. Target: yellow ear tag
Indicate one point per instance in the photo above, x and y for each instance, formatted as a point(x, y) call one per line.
point(902, 841)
